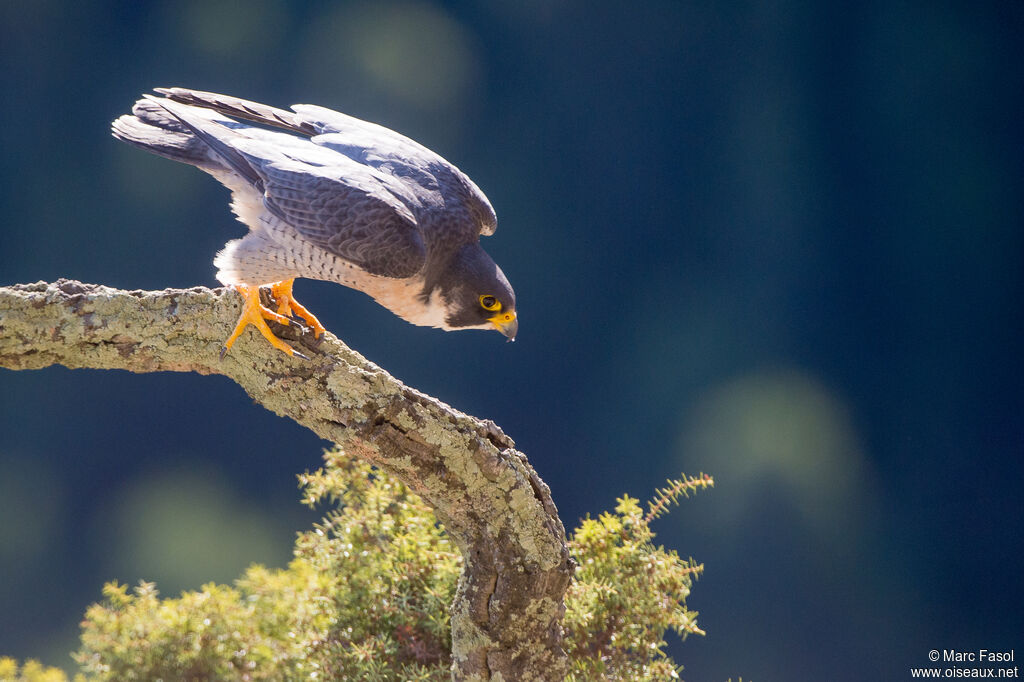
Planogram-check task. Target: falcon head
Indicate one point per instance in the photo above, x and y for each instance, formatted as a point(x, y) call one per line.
point(472, 293)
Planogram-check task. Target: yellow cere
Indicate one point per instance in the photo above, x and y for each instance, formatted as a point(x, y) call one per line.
point(502, 319)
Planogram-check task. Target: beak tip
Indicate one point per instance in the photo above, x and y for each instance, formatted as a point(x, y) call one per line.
point(510, 330)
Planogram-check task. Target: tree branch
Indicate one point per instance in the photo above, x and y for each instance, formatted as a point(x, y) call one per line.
point(506, 619)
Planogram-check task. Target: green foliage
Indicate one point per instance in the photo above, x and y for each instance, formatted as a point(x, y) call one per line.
point(365, 598)
point(367, 595)
point(31, 671)
point(628, 593)
point(670, 494)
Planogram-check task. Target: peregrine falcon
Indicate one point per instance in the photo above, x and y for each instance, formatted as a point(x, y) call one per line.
point(328, 196)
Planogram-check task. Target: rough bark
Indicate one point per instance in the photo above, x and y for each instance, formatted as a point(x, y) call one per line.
point(509, 605)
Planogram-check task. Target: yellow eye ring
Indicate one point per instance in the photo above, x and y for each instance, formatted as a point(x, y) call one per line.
point(488, 302)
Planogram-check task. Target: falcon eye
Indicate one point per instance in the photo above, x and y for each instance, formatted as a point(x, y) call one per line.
point(489, 303)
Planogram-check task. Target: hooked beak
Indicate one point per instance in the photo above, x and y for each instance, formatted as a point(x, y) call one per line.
point(507, 323)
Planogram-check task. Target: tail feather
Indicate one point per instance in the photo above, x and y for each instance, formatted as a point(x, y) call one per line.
point(154, 129)
point(214, 147)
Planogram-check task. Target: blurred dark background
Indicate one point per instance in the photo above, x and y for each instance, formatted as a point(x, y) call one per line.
point(778, 242)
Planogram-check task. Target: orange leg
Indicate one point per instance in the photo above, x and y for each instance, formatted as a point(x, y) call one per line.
point(287, 305)
point(254, 313)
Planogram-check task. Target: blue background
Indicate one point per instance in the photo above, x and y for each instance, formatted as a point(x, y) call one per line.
point(777, 242)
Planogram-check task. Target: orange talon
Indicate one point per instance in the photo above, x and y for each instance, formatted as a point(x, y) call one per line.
point(254, 313)
point(287, 305)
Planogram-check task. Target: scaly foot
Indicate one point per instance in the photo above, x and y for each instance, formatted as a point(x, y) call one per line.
point(256, 314)
point(287, 305)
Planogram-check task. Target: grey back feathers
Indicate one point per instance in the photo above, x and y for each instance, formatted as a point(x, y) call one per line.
point(357, 189)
